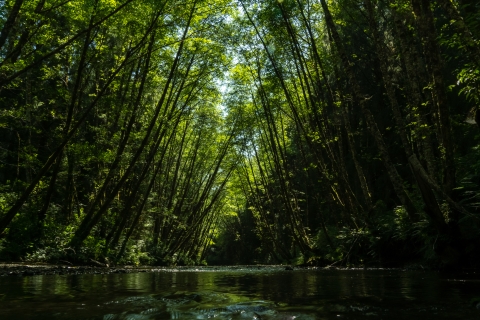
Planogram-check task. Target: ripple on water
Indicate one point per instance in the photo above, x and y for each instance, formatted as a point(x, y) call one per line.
point(204, 305)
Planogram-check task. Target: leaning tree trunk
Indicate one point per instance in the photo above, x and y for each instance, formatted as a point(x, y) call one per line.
point(426, 28)
point(395, 178)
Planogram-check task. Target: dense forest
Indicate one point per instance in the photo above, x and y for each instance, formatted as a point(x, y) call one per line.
point(303, 132)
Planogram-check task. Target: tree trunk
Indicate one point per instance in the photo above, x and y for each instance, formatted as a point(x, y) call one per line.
point(395, 178)
point(426, 28)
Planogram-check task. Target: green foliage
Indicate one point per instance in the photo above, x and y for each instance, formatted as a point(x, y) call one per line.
point(469, 80)
point(187, 132)
point(136, 254)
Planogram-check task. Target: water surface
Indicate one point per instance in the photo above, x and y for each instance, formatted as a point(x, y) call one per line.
point(242, 294)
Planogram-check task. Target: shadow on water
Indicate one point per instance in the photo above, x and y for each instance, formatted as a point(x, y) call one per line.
point(242, 294)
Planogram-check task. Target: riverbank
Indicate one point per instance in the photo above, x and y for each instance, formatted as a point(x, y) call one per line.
point(32, 269)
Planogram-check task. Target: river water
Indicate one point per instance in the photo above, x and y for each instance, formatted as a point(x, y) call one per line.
point(243, 294)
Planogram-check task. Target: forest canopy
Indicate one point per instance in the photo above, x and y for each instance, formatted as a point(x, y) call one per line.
point(307, 132)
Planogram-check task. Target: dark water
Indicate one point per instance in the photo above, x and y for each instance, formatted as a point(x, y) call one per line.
point(243, 294)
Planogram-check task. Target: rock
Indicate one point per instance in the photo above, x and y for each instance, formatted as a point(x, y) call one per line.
point(120, 271)
point(288, 268)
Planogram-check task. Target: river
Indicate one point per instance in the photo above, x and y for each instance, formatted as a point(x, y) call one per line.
point(244, 293)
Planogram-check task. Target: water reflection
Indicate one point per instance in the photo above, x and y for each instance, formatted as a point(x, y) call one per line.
point(301, 294)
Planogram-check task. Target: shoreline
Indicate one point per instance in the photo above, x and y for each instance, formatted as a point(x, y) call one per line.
point(33, 269)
